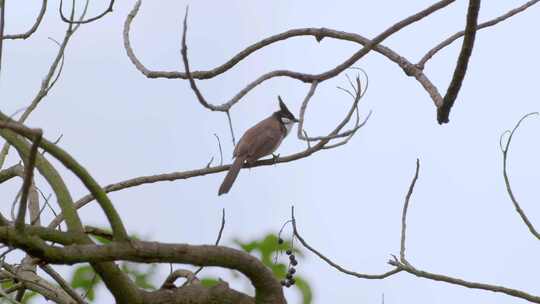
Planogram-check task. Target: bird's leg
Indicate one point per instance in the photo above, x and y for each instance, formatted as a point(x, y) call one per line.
point(275, 157)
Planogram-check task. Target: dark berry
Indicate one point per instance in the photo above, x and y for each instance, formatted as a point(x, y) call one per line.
point(280, 241)
point(294, 262)
point(292, 270)
point(291, 281)
point(288, 284)
point(291, 256)
point(288, 252)
point(283, 282)
point(289, 276)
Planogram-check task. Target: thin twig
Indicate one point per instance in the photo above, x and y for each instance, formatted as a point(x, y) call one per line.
point(480, 26)
point(220, 150)
point(507, 179)
point(220, 233)
point(34, 27)
point(8, 298)
point(335, 265)
point(81, 21)
point(404, 215)
point(60, 280)
point(231, 128)
point(2, 22)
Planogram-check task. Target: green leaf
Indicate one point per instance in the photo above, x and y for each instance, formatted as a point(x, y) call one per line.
point(305, 290)
point(209, 282)
point(86, 279)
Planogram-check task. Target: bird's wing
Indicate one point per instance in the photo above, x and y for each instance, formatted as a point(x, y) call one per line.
point(265, 143)
point(260, 140)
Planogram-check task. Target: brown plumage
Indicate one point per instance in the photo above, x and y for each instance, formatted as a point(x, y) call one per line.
point(258, 141)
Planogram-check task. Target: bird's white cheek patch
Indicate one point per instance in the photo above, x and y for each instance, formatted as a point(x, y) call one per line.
point(288, 126)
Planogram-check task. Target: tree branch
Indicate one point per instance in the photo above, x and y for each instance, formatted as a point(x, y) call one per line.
point(34, 27)
point(309, 78)
point(2, 23)
point(404, 215)
point(69, 162)
point(48, 82)
point(28, 180)
point(65, 285)
point(463, 60)
point(504, 151)
point(122, 288)
point(81, 21)
point(268, 289)
point(335, 265)
point(483, 25)
point(460, 282)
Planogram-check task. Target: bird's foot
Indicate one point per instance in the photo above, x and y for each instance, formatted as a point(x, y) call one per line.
point(275, 157)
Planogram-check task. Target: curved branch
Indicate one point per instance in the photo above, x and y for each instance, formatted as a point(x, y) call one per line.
point(81, 21)
point(267, 288)
point(335, 265)
point(48, 82)
point(34, 27)
point(463, 60)
point(318, 33)
point(32, 281)
point(70, 163)
point(507, 180)
point(482, 25)
point(197, 294)
point(460, 282)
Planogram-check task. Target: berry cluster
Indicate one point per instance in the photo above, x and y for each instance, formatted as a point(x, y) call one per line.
point(289, 277)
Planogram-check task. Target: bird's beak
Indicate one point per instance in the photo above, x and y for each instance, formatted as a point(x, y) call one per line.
point(296, 120)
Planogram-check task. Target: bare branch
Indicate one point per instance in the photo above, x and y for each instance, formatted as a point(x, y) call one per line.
point(404, 215)
point(303, 108)
point(231, 128)
point(507, 179)
point(48, 82)
point(220, 150)
point(32, 281)
point(2, 23)
point(28, 180)
point(482, 25)
point(34, 27)
point(220, 233)
point(368, 45)
point(335, 265)
point(70, 163)
point(65, 285)
point(460, 282)
point(354, 108)
point(71, 21)
point(463, 60)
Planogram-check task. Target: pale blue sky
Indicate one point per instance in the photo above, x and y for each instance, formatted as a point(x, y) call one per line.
point(348, 200)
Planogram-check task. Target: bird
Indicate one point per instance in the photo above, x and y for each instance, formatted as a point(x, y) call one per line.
point(258, 141)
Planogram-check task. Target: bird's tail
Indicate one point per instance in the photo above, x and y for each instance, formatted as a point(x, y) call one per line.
point(231, 175)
